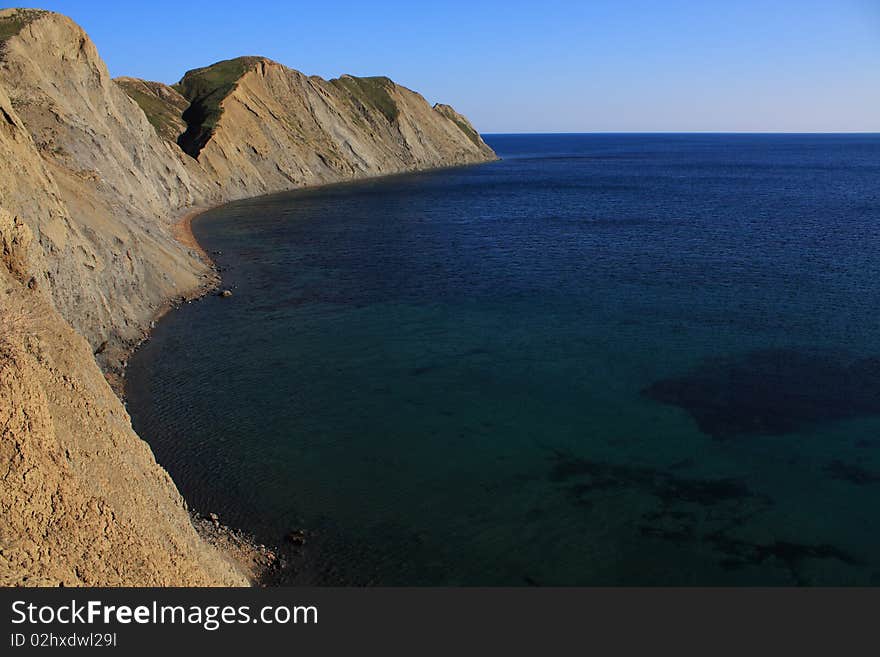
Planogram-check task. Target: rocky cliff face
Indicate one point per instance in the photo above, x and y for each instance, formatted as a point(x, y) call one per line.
point(82, 499)
point(259, 126)
point(93, 174)
point(85, 169)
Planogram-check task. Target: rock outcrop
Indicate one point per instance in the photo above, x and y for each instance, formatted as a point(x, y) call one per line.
point(94, 173)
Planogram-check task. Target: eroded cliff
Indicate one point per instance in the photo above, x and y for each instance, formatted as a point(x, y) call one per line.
point(84, 168)
point(82, 499)
point(93, 174)
point(259, 126)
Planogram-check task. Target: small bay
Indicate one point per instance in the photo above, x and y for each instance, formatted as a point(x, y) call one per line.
point(603, 360)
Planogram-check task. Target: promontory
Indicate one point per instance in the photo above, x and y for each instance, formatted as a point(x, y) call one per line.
point(95, 175)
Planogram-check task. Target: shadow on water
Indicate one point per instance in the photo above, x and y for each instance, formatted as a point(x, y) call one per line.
point(773, 392)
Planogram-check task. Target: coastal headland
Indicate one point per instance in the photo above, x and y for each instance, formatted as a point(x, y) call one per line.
point(99, 179)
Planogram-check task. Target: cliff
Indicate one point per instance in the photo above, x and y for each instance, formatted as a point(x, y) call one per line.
point(100, 169)
point(82, 500)
point(94, 173)
point(259, 126)
point(85, 169)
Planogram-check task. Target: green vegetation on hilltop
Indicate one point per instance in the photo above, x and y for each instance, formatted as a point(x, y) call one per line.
point(372, 92)
point(164, 114)
point(12, 23)
point(452, 115)
point(467, 130)
point(206, 88)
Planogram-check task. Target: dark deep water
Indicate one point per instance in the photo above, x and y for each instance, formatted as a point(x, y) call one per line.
point(606, 359)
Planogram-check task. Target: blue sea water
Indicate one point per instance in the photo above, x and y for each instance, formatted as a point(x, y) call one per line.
point(603, 360)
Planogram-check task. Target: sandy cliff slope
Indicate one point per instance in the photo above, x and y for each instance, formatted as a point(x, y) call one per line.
point(83, 167)
point(82, 499)
point(93, 174)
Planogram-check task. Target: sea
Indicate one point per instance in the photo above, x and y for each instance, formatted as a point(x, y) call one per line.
point(606, 359)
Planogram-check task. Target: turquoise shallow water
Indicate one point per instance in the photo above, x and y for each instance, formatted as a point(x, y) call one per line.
point(606, 359)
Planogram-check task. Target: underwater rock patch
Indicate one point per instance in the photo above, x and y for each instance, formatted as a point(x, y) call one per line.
point(668, 488)
point(854, 474)
point(773, 392)
point(787, 554)
point(694, 511)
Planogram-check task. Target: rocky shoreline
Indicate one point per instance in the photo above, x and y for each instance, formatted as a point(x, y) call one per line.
point(210, 281)
point(259, 562)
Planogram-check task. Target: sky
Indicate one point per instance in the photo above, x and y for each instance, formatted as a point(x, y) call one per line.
point(549, 66)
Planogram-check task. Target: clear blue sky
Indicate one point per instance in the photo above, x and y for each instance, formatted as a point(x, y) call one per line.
point(549, 66)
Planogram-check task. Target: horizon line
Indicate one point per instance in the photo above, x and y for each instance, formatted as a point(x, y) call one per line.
point(687, 132)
